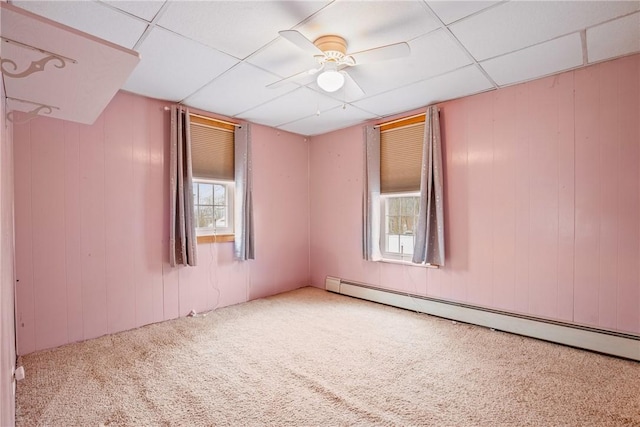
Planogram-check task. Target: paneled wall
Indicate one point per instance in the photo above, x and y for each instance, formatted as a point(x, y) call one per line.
point(7, 329)
point(542, 194)
point(92, 227)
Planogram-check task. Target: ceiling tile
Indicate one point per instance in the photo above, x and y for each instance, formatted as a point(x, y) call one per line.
point(236, 27)
point(369, 24)
point(536, 61)
point(451, 11)
point(173, 67)
point(518, 24)
point(194, 51)
point(145, 9)
point(432, 54)
point(92, 18)
point(237, 90)
point(615, 38)
point(336, 118)
point(295, 105)
point(462, 82)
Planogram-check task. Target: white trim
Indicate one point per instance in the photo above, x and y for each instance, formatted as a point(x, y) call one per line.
point(229, 194)
point(408, 262)
point(602, 341)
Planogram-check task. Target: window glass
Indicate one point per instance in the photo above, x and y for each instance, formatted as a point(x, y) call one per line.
point(213, 207)
point(400, 220)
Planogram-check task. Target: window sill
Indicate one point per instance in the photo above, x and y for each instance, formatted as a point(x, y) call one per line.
point(221, 238)
point(409, 263)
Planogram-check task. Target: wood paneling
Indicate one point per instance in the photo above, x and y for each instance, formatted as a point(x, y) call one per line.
point(72, 218)
point(542, 190)
point(120, 221)
point(542, 200)
point(566, 203)
point(628, 296)
point(543, 197)
point(281, 200)
point(25, 317)
point(456, 199)
point(146, 245)
point(480, 198)
point(7, 272)
point(149, 268)
point(587, 197)
point(92, 230)
point(92, 227)
point(609, 159)
point(504, 199)
point(522, 178)
point(48, 250)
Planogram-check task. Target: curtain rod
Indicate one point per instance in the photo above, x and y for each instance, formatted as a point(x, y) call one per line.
point(400, 120)
point(210, 118)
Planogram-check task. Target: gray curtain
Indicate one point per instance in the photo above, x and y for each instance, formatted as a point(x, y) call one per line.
point(244, 235)
point(182, 233)
point(429, 245)
point(371, 199)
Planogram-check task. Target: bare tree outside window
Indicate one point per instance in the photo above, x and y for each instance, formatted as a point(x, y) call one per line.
point(401, 218)
point(210, 205)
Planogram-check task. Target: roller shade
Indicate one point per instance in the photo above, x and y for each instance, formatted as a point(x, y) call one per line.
point(401, 158)
point(212, 152)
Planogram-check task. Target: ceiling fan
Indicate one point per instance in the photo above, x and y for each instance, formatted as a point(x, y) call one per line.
point(330, 52)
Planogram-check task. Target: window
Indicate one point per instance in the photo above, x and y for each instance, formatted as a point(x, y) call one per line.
point(400, 168)
point(213, 207)
point(399, 221)
point(212, 157)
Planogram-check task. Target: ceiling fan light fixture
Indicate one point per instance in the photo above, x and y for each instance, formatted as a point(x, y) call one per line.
point(330, 80)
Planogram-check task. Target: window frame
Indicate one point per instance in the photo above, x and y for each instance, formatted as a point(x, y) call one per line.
point(214, 234)
point(386, 254)
point(204, 234)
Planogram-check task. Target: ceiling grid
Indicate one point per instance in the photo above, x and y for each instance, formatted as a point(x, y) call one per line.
point(220, 56)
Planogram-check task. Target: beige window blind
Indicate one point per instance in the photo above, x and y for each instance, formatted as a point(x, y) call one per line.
point(212, 151)
point(401, 158)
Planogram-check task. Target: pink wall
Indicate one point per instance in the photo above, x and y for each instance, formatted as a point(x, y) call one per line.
point(92, 227)
point(542, 204)
point(7, 324)
point(542, 193)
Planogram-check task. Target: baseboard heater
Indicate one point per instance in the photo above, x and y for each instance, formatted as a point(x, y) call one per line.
point(602, 341)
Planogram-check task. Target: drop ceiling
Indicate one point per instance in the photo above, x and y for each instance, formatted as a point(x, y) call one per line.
point(219, 56)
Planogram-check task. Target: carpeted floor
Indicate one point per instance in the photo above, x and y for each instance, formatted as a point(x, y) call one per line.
point(311, 358)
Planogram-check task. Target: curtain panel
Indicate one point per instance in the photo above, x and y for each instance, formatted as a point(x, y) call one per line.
point(182, 232)
point(371, 200)
point(244, 234)
point(429, 243)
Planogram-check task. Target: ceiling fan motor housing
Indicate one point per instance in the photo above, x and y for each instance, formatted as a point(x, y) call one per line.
point(334, 47)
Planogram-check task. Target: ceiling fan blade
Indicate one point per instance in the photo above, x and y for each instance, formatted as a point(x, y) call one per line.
point(383, 53)
point(303, 78)
point(301, 41)
point(352, 87)
point(316, 70)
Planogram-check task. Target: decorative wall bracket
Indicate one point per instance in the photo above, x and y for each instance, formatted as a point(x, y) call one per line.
point(81, 73)
point(35, 66)
point(40, 109)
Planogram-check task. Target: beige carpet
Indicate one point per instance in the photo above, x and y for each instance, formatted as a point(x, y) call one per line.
point(311, 358)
